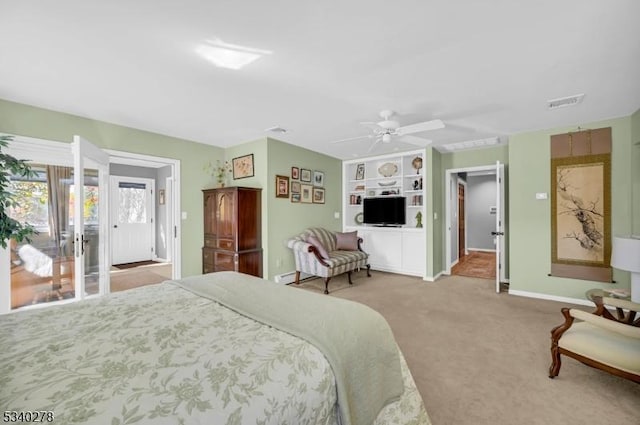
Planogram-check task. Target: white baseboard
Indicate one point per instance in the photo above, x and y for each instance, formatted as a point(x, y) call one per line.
point(550, 297)
point(290, 277)
point(482, 250)
point(432, 278)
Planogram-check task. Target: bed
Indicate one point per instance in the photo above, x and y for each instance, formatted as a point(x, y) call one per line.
point(207, 350)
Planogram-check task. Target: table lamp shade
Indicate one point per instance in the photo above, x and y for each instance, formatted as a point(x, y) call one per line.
point(625, 255)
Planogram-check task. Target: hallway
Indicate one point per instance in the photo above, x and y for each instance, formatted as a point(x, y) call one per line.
point(476, 264)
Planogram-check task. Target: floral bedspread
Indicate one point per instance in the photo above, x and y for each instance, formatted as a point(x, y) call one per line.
point(163, 355)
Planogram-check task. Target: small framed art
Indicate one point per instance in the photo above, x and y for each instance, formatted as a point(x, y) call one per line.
point(282, 186)
point(318, 178)
point(295, 173)
point(318, 195)
point(305, 175)
point(306, 193)
point(295, 187)
point(360, 172)
point(295, 197)
point(243, 167)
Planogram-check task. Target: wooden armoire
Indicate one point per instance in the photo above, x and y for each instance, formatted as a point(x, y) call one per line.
point(232, 230)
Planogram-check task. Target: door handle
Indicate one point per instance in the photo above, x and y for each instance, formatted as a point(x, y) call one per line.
point(497, 233)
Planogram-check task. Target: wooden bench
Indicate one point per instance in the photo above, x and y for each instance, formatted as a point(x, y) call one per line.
point(600, 339)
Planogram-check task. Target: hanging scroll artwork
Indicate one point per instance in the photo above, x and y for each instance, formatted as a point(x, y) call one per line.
point(581, 205)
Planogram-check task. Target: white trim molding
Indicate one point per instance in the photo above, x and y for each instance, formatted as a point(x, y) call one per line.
point(538, 295)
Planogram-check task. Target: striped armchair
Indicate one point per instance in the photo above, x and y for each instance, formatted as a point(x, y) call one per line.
point(324, 253)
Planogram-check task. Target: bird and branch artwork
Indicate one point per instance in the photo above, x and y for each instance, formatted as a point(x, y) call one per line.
point(580, 204)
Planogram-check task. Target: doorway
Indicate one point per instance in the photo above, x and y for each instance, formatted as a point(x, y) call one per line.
point(148, 201)
point(474, 238)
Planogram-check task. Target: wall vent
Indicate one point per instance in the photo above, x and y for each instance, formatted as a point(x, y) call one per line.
point(276, 129)
point(564, 101)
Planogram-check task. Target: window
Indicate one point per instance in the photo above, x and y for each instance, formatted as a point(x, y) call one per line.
point(31, 196)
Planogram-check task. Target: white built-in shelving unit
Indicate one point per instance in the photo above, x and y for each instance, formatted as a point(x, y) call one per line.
point(394, 249)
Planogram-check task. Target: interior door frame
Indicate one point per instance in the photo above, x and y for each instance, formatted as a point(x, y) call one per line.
point(449, 173)
point(173, 202)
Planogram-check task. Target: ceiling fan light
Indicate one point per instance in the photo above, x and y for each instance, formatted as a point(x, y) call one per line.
point(386, 138)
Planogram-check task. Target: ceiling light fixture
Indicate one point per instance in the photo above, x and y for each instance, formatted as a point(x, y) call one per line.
point(276, 129)
point(561, 102)
point(231, 56)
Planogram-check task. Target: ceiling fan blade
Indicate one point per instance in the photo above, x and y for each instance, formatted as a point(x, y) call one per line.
point(371, 125)
point(373, 145)
point(418, 141)
point(421, 126)
point(368, 136)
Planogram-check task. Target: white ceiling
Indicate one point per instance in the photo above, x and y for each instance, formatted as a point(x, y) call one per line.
point(486, 68)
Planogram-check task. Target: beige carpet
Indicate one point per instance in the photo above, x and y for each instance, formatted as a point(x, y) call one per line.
point(482, 358)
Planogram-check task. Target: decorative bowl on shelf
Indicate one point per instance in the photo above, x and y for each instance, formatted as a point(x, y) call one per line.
point(359, 218)
point(391, 183)
point(388, 169)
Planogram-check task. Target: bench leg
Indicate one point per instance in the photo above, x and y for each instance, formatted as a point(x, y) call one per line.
point(349, 277)
point(297, 279)
point(326, 284)
point(368, 270)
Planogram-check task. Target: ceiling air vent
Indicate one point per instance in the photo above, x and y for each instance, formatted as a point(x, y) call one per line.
point(564, 101)
point(276, 129)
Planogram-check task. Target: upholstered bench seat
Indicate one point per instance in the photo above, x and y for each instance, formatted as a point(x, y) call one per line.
point(599, 339)
point(321, 252)
point(603, 345)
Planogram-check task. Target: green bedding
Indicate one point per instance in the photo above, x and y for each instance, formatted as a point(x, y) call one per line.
point(356, 340)
point(160, 354)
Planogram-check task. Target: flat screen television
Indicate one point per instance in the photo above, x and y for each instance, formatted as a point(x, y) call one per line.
point(384, 210)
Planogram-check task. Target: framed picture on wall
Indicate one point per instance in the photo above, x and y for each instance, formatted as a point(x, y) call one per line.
point(305, 175)
point(360, 172)
point(295, 187)
point(161, 197)
point(282, 187)
point(306, 193)
point(295, 197)
point(243, 167)
point(295, 173)
point(318, 195)
point(318, 178)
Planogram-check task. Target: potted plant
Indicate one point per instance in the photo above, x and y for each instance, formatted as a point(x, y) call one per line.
point(219, 171)
point(10, 228)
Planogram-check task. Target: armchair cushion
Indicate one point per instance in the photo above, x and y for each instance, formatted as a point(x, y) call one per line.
point(347, 241)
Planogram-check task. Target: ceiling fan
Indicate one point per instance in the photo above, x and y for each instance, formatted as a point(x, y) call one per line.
point(388, 129)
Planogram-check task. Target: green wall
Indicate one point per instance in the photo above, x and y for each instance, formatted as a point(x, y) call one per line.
point(635, 168)
point(434, 207)
point(530, 219)
point(281, 218)
point(287, 219)
point(24, 120)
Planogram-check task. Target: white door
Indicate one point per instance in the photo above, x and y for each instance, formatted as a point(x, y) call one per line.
point(90, 218)
point(499, 232)
point(132, 220)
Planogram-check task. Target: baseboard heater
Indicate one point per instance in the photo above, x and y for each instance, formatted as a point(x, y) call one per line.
point(290, 277)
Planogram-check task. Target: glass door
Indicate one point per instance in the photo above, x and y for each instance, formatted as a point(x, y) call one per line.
point(90, 219)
